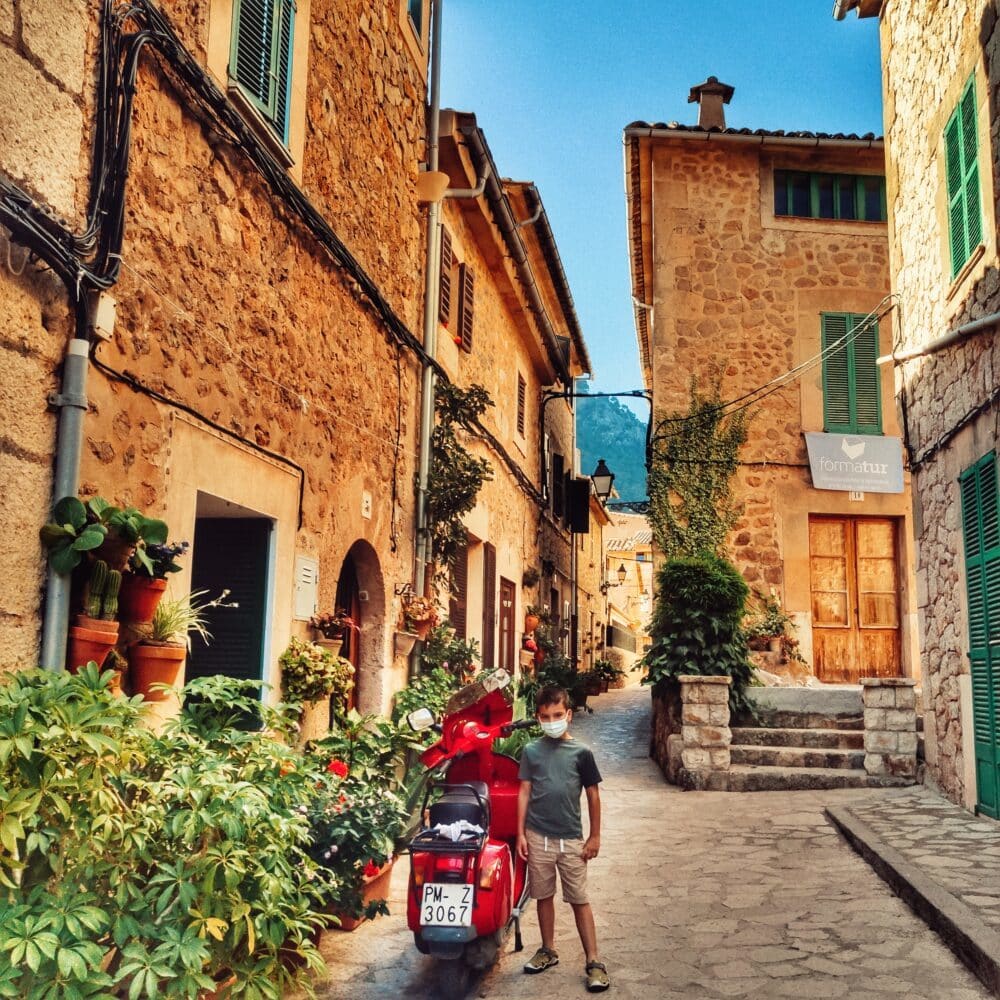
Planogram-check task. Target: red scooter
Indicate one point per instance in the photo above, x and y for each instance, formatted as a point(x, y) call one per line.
point(467, 884)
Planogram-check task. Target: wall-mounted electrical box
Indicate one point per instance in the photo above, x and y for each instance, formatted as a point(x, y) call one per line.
point(306, 587)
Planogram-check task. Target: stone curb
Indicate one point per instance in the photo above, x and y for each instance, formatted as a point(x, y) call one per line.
point(975, 943)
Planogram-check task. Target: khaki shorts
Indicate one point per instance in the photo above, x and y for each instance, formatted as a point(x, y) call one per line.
point(545, 856)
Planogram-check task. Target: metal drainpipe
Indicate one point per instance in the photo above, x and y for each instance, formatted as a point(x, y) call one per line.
point(432, 271)
point(72, 405)
point(946, 340)
point(574, 567)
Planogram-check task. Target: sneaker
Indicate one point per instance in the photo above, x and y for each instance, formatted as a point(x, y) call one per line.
point(597, 977)
point(543, 959)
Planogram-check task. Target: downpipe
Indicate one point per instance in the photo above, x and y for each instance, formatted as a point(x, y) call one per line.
point(71, 402)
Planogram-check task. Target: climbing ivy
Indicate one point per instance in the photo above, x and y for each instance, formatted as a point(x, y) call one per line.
point(456, 476)
point(690, 498)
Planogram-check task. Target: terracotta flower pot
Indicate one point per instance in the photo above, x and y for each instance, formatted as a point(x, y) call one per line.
point(87, 644)
point(115, 550)
point(531, 622)
point(334, 645)
point(422, 629)
point(97, 625)
point(314, 723)
point(405, 642)
point(372, 888)
point(154, 664)
point(139, 597)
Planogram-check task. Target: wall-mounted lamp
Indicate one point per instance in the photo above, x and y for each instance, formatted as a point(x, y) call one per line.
point(603, 479)
point(621, 574)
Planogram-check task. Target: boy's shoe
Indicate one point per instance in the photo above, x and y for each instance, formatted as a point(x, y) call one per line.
point(543, 959)
point(597, 977)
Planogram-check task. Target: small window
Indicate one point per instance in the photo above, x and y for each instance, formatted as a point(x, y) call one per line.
point(447, 267)
point(961, 152)
point(260, 60)
point(415, 9)
point(852, 399)
point(848, 197)
point(466, 307)
point(558, 486)
point(522, 399)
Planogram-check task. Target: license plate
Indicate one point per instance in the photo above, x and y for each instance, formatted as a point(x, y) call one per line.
point(444, 905)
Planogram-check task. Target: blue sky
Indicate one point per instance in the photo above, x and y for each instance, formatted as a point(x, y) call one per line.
point(553, 84)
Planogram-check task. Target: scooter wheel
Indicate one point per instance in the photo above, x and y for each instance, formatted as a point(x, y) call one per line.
point(453, 979)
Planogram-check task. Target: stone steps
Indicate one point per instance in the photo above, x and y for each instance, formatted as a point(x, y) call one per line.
point(762, 778)
point(832, 739)
point(797, 757)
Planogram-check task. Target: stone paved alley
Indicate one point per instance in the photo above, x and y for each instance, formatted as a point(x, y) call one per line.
point(697, 895)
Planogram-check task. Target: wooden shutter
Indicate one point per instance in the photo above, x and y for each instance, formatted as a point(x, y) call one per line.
point(522, 393)
point(961, 152)
point(261, 56)
point(578, 505)
point(981, 531)
point(466, 305)
point(852, 396)
point(489, 605)
point(558, 481)
point(458, 604)
point(447, 262)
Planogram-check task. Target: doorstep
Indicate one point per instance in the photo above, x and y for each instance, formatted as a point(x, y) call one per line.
point(943, 861)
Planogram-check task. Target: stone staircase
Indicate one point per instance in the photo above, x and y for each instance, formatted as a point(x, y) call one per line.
point(799, 738)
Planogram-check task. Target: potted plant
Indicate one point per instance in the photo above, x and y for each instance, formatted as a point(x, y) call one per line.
point(146, 580)
point(530, 577)
point(532, 618)
point(609, 674)
point(70, 534)
point(332, 628)
point(96, 630)
point(420, 615)
point(310, 677)
point(765, 630)
point(591, 681)
point(156, 659)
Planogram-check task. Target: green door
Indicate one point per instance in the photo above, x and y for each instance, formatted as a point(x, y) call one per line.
point(981, 522)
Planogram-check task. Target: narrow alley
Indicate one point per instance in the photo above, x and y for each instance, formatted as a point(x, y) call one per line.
point(697, 895)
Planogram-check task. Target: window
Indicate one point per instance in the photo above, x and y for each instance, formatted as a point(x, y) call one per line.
point(558, 485)
point(852, 401)
point(466, 306)
point(961, 157)
point(853, 197)
point(261, 58)
point(456, 277)
point(415, 10)
point(447, 266)
point(522, 394)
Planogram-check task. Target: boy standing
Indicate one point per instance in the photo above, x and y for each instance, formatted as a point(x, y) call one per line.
point(554, 769)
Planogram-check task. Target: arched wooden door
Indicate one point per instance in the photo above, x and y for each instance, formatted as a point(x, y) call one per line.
point(348, 597)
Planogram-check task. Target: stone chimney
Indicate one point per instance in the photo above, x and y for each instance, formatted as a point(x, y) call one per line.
point(711, 96)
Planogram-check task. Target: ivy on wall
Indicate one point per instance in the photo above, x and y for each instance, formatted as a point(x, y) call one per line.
point(691, 507)
point(456, 475)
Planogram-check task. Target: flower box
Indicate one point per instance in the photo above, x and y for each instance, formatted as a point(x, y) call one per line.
point(373, 888)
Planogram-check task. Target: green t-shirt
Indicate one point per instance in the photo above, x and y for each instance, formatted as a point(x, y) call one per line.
point(558, 770)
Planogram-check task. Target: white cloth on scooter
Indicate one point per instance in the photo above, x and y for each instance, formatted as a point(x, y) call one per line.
point(457, 830)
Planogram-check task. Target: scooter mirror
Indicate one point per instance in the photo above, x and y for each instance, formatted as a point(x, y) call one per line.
point(420, 719)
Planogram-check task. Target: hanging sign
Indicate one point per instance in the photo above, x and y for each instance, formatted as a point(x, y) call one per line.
point(856, 463)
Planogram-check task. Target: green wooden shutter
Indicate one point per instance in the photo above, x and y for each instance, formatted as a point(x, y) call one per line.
point(981, 530)
point(261, 56)
point(961, 152)
point(852, 396)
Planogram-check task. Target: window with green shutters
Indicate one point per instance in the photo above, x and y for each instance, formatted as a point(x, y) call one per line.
point(852, 398)
point(261, 57)
point(847, 197)
point(961, 157)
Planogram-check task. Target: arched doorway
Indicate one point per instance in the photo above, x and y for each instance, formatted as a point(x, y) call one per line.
point(361, 591)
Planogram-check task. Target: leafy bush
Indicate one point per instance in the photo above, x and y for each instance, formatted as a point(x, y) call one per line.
point(446, 650)
point(310, 672)
point(430, 690)
point(147, 864)
point(696, 624)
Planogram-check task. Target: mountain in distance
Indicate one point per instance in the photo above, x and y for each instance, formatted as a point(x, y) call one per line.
point(606, 428)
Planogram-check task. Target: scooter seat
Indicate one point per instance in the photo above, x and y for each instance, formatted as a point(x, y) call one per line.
point(459, 802)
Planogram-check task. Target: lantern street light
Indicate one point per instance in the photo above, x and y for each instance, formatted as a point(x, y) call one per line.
point(621, 574)
point(603, 479)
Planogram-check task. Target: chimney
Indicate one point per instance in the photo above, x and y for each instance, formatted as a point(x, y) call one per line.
point(711, 96)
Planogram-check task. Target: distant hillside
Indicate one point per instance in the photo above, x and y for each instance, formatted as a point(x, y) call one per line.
point(608, 429)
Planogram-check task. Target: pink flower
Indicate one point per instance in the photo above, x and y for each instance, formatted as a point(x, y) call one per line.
point(337, 767)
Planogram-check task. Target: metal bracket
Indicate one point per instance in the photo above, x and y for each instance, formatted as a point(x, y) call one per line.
point(57, 400)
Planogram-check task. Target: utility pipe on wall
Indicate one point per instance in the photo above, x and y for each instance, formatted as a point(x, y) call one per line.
point(72, 405)
point(952, 337)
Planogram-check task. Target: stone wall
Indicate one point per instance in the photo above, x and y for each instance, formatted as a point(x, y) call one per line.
point(929, 53)
point(43, 83)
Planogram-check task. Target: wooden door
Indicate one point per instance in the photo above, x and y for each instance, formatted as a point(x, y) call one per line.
point(349, 598)
point(854, 582)
point(507, 598)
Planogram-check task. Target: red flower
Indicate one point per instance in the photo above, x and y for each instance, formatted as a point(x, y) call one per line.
point(337, 767)
point(371, 869)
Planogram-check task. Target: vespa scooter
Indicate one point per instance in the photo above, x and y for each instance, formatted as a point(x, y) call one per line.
point(467, 884)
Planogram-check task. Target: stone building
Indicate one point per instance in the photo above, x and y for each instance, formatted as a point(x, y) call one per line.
point(255, 361)
point(941, 70)
point(628, 573)
point(592, 612)
point(758, 259)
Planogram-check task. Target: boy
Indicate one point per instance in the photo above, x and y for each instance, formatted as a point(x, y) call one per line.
point(550, 835)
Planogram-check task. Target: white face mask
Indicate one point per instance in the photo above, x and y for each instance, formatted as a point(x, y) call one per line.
point(555, 729)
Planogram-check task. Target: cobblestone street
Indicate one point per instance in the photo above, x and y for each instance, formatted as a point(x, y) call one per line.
point(696, 895)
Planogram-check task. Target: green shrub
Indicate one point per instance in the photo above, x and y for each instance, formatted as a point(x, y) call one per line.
point(430, 690)
point(310, 672)
point(696, 625)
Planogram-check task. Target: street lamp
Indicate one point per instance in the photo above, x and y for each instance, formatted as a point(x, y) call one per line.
point(602, 478)
point(621, 574)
